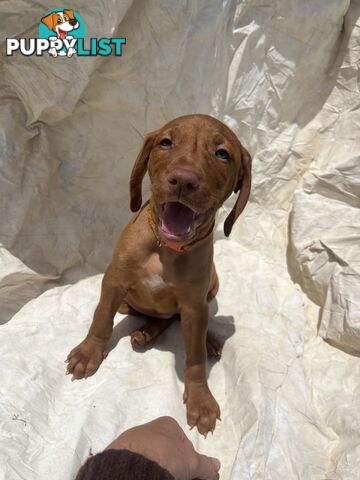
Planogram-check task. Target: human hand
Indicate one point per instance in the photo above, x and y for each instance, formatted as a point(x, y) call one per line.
point(163, 441)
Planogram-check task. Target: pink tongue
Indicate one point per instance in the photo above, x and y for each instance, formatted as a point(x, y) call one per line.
point(177, 218)
point(62, 34)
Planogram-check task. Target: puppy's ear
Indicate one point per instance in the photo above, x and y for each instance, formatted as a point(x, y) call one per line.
point(50, 20)
point(244, 185)
point(69, 13)
point(139, 170)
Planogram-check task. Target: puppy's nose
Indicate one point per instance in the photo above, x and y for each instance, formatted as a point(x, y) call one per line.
point(73, 21)
point(183, 180)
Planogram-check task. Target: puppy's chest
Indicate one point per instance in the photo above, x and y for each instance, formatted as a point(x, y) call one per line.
point(154, 283)
point(155, 277)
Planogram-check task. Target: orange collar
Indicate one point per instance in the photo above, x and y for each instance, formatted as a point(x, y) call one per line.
point(172, 245)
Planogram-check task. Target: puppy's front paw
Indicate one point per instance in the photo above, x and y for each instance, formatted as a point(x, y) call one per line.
point(71, 52)
point(202, 408)
point(84, 360)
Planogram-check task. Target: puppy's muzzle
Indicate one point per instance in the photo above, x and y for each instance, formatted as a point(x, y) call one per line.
point(182, 182)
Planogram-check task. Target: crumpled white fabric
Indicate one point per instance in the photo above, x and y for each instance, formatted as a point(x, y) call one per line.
point(285, 76)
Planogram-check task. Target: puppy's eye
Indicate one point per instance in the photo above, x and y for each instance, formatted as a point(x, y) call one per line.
point(222, 153)
point(59, 20)
point(166, 142)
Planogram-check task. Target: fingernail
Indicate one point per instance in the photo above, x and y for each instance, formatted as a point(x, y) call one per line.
point(216, 463)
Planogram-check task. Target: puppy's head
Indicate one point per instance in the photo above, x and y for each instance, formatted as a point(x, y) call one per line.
point(61, 22)
point(194, 162)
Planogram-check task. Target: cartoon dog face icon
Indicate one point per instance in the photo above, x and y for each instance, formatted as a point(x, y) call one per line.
point(62, 23)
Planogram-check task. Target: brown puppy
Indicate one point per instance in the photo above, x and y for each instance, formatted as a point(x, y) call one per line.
point(163, 262)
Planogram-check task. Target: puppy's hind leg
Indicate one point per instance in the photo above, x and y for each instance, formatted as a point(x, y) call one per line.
point(213, 346)
point(146, 335)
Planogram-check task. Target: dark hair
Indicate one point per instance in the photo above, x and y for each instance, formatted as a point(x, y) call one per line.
point(121, 465)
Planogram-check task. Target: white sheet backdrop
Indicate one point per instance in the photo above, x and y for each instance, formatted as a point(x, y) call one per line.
point(285, 76)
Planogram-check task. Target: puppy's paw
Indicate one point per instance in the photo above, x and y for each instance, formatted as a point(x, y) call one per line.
point(138, 339)
point(71, 52)
point(202, 409)
point(213, 347)
point(84, 360)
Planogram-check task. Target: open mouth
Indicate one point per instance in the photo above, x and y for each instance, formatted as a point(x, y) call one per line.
point(179, 222)
point(62, 34)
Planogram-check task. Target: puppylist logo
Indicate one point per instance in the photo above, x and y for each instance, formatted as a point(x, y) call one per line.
point(62, 33)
